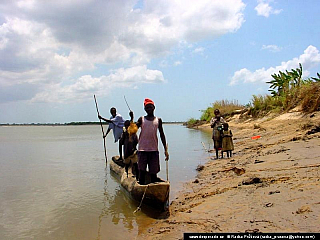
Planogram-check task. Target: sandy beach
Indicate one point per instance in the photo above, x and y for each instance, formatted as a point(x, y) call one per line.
point(270, 184)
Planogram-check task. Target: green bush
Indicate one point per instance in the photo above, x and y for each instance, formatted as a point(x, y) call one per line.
point(261, 105)
point(226, 108)
point(207, 114)
point(192, 122)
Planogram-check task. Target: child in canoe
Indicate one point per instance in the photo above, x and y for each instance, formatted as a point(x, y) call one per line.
point(129, 141)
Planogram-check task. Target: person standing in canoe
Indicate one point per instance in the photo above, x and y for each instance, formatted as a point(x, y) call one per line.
point(116, 123)
point(148, 153)
point(216, 123)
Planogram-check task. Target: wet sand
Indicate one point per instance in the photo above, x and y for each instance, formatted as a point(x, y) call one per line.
point(270, 184)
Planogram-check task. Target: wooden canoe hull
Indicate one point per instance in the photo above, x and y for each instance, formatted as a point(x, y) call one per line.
point(156, 194)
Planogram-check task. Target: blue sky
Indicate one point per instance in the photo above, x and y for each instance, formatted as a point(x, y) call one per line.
point(55, 55)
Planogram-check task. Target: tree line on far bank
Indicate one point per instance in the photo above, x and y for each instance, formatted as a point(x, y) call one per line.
point(68, 124)
point(288, 90)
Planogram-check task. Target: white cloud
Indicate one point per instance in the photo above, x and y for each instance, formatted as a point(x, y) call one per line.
point(199, 50)
point(272, 48)
point(309, 59)
point(83, 87)
point(264, 9)
point(45, 43)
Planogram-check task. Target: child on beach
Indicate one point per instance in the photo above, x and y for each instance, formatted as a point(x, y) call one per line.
point(216, 123)
point(129, 141)
point(148, 153)
point(227, 143)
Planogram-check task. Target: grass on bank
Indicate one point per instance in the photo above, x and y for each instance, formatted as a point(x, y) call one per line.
point(226, 107)
point(288, 90)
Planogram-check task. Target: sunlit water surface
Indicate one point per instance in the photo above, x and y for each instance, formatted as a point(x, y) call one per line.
point(55, 183)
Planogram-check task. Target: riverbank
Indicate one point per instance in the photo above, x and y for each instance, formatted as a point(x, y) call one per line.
point(271, 184)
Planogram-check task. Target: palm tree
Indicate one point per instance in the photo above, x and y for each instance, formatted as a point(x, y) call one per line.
point(283, 82)
point(280, 82)
point(316, 79)
point(296, 76)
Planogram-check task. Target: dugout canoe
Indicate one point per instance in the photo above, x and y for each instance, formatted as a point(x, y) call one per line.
point(156, 194)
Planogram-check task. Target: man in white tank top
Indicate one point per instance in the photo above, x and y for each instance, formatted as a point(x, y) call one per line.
point(148, 153)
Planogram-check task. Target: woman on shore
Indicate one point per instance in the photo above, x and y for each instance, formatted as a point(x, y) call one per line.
point(216, 123)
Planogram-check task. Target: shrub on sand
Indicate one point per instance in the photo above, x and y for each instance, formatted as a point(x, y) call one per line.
point(310, 97)
point(226, 108)
point(261, 105)
point(192, 122)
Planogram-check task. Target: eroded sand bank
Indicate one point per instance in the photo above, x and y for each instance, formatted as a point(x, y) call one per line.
point(271, 184)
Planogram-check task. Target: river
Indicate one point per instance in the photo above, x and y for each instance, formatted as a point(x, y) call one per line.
point(55, 183)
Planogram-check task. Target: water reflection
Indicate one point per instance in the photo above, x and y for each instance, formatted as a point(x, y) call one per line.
point(119, 208)
point(105, 200)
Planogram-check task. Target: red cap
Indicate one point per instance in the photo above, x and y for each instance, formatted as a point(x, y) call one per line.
point(148, 101)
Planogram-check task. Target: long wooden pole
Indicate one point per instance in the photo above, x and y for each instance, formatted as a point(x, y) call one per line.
point(104, 139)
point(126, 102)
point(167, 168)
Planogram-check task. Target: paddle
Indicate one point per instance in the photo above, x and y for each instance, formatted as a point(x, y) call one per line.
point(167, 169)
point(104, 139)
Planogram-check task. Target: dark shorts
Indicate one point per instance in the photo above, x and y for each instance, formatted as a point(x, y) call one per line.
point(151, 159)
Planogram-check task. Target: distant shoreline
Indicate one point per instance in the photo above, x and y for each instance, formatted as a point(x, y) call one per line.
point(66, 124)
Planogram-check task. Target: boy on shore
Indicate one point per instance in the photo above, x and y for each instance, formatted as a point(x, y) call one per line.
point(148, 153)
